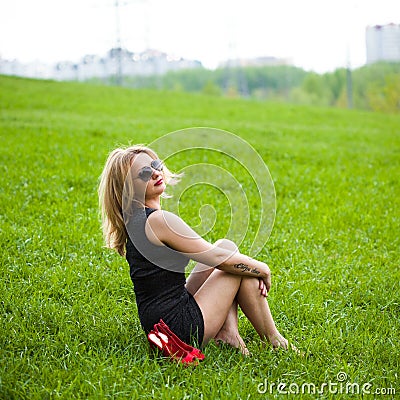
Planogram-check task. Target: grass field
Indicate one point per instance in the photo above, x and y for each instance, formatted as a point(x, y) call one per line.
point(68, 315)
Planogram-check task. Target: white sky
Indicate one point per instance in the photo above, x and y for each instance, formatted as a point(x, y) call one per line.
point(314, 34)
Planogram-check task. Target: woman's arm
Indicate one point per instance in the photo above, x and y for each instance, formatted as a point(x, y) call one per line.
point(166, 228)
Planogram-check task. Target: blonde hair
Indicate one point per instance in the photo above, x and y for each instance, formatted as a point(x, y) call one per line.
point(112, 196)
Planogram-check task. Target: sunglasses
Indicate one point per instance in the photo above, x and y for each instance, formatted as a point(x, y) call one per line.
point(146, 173)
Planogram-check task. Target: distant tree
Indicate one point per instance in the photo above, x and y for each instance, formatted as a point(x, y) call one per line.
point(232, 92)
point(341, 101)
point(318, 91)
point(375, 87)
point(299, 95)
point(386, 98)
point(371, 77)
point(211, 89)
point(336, 82)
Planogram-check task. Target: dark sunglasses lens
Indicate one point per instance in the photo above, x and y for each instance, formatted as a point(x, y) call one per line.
point(157, 164)
point(145, 174)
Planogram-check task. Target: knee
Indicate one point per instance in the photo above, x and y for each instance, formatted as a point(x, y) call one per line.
point(226, 244)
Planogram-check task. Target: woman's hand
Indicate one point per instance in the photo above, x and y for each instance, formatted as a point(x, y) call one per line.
point(263, 288)
point(265, 283)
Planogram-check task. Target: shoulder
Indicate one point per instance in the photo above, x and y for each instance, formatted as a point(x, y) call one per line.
point(169, 227)
point(161, 224)
point(161, 219)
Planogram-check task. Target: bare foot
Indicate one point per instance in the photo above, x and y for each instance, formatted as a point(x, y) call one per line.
point(278, 341)
point(233, 339)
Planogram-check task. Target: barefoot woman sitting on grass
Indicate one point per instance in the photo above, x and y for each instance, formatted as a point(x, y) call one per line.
point(158, 246)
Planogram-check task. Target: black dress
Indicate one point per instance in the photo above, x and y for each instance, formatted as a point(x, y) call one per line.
point(158, 276)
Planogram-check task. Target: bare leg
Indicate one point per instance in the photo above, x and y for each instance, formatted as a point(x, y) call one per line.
point(197, 277)
point(201, 272)
point(257, 310)
point(229, 332)
point(216, 296)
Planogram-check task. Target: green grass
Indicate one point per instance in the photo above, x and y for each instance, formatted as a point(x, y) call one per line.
point(69, 321)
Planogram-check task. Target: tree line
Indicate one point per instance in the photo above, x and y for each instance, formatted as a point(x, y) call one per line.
point(373, 87)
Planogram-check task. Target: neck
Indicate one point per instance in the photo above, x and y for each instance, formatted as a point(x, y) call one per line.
point(151, 203)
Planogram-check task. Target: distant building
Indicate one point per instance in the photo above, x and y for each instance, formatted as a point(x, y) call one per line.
point(383, 43)
point(255, 62)
point(116, 61)
point(31, 70)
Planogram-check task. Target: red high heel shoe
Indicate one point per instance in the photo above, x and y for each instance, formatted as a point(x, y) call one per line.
point(170, 349)
point(171, 346)
point(163, 328)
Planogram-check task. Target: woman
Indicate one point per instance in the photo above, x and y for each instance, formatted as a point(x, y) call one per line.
point(158, 245)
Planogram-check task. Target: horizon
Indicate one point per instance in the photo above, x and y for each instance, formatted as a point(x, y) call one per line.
point(221, 65)
point(317, 37)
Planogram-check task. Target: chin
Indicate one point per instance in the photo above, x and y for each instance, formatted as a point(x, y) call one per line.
point(160, 189)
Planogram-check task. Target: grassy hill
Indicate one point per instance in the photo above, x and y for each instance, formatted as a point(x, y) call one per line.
point(68, 315)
